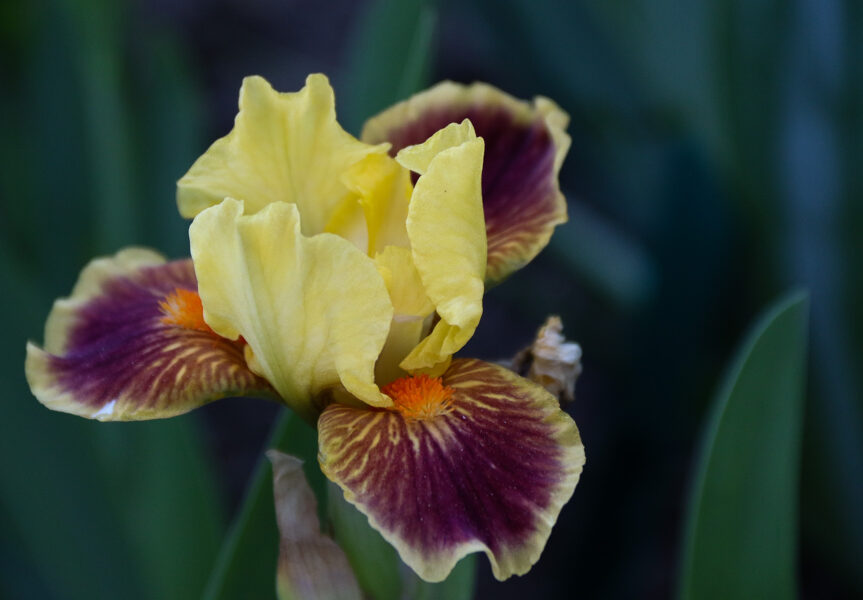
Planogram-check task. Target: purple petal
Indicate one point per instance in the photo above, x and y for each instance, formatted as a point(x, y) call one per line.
point(114, 351)
point(486, 465)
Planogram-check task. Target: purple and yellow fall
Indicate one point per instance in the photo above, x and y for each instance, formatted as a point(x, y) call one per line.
point(340, 276)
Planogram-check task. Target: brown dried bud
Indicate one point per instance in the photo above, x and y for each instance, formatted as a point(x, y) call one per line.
point(551, 361)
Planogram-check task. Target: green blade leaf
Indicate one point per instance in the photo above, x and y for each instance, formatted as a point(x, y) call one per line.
point(162, 485)
point(741, 539)
point(376, 564)
point(95, 25)
point(169, 120)
point(90, 510)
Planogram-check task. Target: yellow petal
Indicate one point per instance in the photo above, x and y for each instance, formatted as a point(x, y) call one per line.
point(405, 332)
point(396, 266)
point(446, 228)
point(418, 158)
point(314, 311)
point(557, 121)
point(349, 221)
point(284, 147)
point(412, 306)
point(383, 189)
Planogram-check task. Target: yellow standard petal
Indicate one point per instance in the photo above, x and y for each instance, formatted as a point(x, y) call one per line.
point(284, 147)
point(413, 311)
point(383, 189)
point(403, 282)
point(446, 228)
point(314, 311)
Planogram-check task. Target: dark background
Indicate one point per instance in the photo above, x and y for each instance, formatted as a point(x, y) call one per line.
point(716, 161)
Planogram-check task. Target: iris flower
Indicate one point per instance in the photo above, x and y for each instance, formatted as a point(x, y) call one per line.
point(339, 276)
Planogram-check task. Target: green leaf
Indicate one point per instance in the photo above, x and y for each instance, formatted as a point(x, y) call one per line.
point(95, 26)
point(61, 526)
point(741, 538)
point(375, 562)
point(824, 94)
point(132, 504)
point(162, 485)
point(54, 210)
point(246, 567)
point(390, 57)
point(169, 129)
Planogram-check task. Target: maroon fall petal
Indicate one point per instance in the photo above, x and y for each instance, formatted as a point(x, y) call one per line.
point(488, 472)
point(112, 352)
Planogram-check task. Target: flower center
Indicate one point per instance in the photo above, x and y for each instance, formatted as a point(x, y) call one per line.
point(420, 396)
point(182, 308)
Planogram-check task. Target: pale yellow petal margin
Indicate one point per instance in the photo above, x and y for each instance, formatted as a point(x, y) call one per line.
point(446, 228)
point(314, 311)
point(557, 120)
point(284, 147)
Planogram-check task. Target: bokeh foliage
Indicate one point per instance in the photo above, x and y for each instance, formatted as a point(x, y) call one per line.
point(716, 161)
point(88, 510)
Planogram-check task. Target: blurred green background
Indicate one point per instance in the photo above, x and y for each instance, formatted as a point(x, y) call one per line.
point(717, 161)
